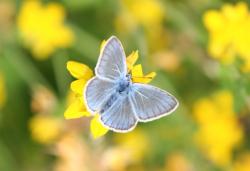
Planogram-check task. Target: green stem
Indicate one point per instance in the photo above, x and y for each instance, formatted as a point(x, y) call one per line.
point(59, 65)
point(86, 44)
point(24, 67)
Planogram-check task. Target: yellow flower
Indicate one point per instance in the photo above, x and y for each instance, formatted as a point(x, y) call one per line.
point(77, 107)
point(83, 73)
point(42, 28)
point(229, 33)
point(2, 91)
point(242, 163)
point(44, 129)
point(97, 128)
point(219, 131)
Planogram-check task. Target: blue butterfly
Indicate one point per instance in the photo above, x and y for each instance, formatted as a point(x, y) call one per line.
point(120, 102)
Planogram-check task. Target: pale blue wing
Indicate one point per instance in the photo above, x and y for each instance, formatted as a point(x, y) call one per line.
point(97, 92)
point(150, 103)
point(120, 117)
point(111, 64)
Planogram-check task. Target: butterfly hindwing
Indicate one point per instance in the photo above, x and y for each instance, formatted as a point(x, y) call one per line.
point(112, 60)
point(151, 103)
point(120, 117)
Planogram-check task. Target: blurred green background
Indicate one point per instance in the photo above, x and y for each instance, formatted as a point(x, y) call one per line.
point(200, 50)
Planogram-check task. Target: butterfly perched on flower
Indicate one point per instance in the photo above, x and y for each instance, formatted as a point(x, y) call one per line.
point(120, 102)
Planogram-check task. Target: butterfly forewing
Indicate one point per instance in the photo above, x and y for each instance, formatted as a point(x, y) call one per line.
point(150, 103)
point(97, 92)
point(112, 60)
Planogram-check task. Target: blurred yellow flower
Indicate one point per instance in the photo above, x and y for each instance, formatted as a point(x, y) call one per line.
point(7, 12)
point(144, 12)
point(116, 159)
point(229, 33)
point(72, 153)
point(147, 12)
point(177, 162)
point(2, 91)
point(42, 28)
point(44, 129)
point(130, 149)
point(219, 131)
point(167, 60)
point(83, 73)
point(132, 143)
point(43, 100)
point(150, 15)
point(242, 163)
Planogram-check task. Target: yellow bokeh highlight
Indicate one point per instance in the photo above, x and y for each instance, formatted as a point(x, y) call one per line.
point(42, 28)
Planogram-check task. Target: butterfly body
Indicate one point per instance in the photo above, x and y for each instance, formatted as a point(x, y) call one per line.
point(123, 88)
point(120, 102)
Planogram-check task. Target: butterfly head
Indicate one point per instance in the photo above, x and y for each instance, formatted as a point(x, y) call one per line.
point(128, 77)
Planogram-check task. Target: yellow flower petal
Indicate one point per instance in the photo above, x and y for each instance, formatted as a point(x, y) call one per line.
point(103, 43)
point(97, 129)
point(76, 110)
point(79, 70)
point(149, 77)
point(77, 86)
point(145, 79)
point(138, 77)
point(131, 60)
point(137, 71)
